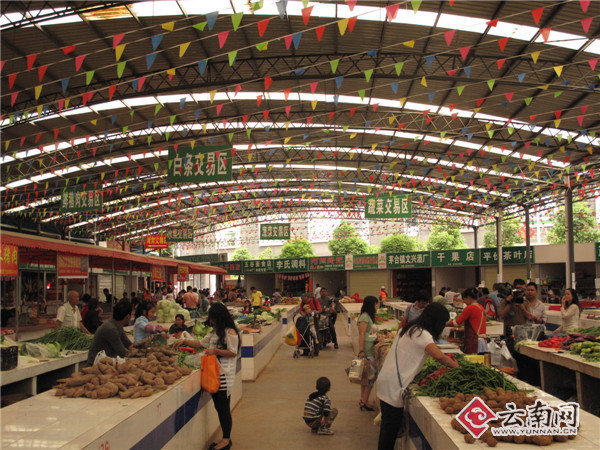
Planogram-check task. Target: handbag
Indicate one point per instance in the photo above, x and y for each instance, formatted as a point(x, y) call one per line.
point(291, 338)
point(210, 374)
point(356, 370)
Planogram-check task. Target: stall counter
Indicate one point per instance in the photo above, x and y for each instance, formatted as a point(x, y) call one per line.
point(180, 417)
point(258, 349)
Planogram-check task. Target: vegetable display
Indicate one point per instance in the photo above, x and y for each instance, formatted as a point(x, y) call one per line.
point(200, 330)
point(69, 338)
point(51, 350)
point(468, 378)
point(167, 310)
point(384, 314)
point(594, 331)
point(575, 338)
point(553, 342)
point(590, 351)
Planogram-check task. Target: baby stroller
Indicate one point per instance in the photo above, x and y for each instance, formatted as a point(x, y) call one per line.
point(324, 330)
point(307, 337)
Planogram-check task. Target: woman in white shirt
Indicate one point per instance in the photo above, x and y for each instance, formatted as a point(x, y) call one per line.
point(569, 311)
point(408, 353)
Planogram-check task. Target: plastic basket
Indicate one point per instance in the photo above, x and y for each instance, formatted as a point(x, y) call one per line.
point(9, 357)
point(531, 332)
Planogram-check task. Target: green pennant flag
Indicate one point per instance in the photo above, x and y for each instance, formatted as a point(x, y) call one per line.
point(257, 5)
point(121, 68)
point(537, 141)
point(172, 119)
point(262, 46)
point(569, 139)
point(200, 26)
point(232, 55)
point(442, 134)
point(167, 135)
point(491, 83)
point(503, 158)
point(131, 113)
point(149, 139)
point(248, 132)
point(345, 128)
point(510, 130)
point(361, 93)
point(398, 67)
point(236, 19)
point(125, 128)
point(230, 135)
point(368, 74)
point(157, 108)
point(460, 89)
point(490, 133)
point(557, 93)
point(334, 65)
point(528, 100)
point(88, 77)
point(416, 4)
point(26, 114)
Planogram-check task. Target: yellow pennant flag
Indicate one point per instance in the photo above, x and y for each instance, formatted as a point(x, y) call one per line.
point(286, 140)
point(557, 123)
point(462, 172)
point(168, 26)
point(409, 44)
point(40, 109)
point(353, 135)
point(351, 155)
point(119, 49)
point(287, 161)
point(476, 110)
point(183, 48)
point(562, 148)
point(270, 168)
point(537, 173)
point(342, 25)
point(558, 70)
point(38, 91)
point(391, 119)
point(424, 82)
point(544, 87)
point(171, 71)
point(314, 104)
point(249, 157)
point(373, 146)
point(488, 125)
point(535, 56)
point(204, 127)
point(192, 144)
point(67, 101)
point(402, 101)
point(94, 122)
point(212, 95)
point(287, 124)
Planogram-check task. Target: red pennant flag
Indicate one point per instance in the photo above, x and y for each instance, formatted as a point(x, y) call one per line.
point(480, 101)
point(352, 111)
point(262, 26)
point(245, 119)
point(306, 14)
point(309, 120)
point(313, 86)
point(219, 108)
point(500, 63)
point(286, 93)
point(86, 97)
point(268, 81)
point(2, 65)
point(72, 128)
point(427, 111)
point(222, 38)
point(11, 80)
point(492, 23)
point(401, 125)
point(391, 12)
point(331, 114)
point(288, 41)
point(258, 100)
point(56, 131)
point(464, 52)
point(23, 140)
point(141, 81)
point(238, 88)
point(580, 120)
point(117, 38)
point(351, 23)
point(287, 110)
point(584, 4)
point(585, 24)
point(454, 115)
point(584, 109)
point(557, 114)
point(532, 117)
point(42, 72)
point(592, 63)
point(111, 91)
point(428, 120)
point(319, 31)
point(452, 106)
point(449, 35)
point(68, 49)
point(351, 4)
point(266, 114)
point(509, 96)
point(502, 43)
point(38, 137)
point(545, 32)
point(451, 72)
point(13, 98)
point(30, 60)
point(537, 15)
point(79, 62)
point(375, 106)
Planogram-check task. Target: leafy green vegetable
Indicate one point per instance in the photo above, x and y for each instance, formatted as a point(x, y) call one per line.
point(69, 338)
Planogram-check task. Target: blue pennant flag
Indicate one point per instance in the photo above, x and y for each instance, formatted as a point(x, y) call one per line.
point(300, 71)
point(156, 40)
point(150, 60)
point(394, 87)
point(202, 66)
point(211, 19)
point(431, 96)
point(296, 39)
point(467, 71)
point(182, 102)
point(521, 77)
point(338, 81)
point(429, 60)
point(335, 100)
point(65, 84)
point(198, 113)
point(281, 7)
point(372, 53)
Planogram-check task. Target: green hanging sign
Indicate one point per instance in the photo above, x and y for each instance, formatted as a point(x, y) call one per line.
point(367, 262)
point(177, 234)
point(275, 231)
point(449, 258)
point(510, 255)
point(258, 266)
point(232, 267)
point(291, 265)
point(200, 164)
point(388, 207)
point(322, 263)
point(79, 200)
point(408, 259)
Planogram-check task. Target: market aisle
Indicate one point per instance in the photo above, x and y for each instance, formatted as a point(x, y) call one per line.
point(269, 416)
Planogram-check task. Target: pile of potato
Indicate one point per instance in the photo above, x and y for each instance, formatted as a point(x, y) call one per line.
point(497, 401)
point(138, 377)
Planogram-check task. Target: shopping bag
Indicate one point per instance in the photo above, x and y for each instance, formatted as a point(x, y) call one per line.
point(291, 337)
point(355, 371)
point(210, 373)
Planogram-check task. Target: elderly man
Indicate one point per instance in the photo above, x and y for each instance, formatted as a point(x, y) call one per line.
point(68, 315)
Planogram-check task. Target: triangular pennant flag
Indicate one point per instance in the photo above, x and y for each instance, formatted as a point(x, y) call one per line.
point(368, 74)
point(398, 67)
point(313, 86)
point(42, 72)
point(306, 14)
point(68, 49)
point(258, 100)
point(409, 44)
point(342, 26)
point(429, 59)
point(351, 4)
point(545, 32)
point(338, 81)
point(361, 94)
point(38, 91)
point(150, 58)
point(490, 84)
point(200, 26)
point(219, 108)
point(296, 39)
point(286, 93)
point(212, 94)
point(334, 65)
point(262, 26)
point(391, 12)
point(509, 96)
point(500, 63)
point(202, 66)
point(268, 82)
point(236, 19)
point(156, 40)
point(30, 60)
point(13, 98)
point(424, 81)
point(535, 56)
point(521, 77)
point(537, 14)
point(288, 109)
point(528, 100)
point(492, 23)
point(232, 55)
point(584, 4)
point(464, 52)
point(351, 23)
point(119, 51)
point(223, 38)
point(88, 77)
point(558, 70)
point(394, 87)
point(79, 62)
point(117, 38)
point(592, 63)
point(111, 91)
point(416, 4)
point(288, 41)
point(121, 68)
point(211, 19)
point(460, 89)
point(183, 48)
point(586, 23)
point(169, 26)
point(449, 35)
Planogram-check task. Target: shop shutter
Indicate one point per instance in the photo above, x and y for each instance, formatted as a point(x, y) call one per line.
point(367, 282)
point(104, 282)
point(120, 286)
point(509, 273)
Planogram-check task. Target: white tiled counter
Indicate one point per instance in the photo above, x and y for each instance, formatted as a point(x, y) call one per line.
point(430, 427)
point(180, 417)
point(258, 349)
point(287, 315)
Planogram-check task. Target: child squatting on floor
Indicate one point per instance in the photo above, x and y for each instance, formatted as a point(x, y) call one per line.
point(318, 413)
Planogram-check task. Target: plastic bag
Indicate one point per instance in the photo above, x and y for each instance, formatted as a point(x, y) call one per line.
point(210, 374)
point(291, 337)
point(41, 350)
point(193, 361)
point(355, 371)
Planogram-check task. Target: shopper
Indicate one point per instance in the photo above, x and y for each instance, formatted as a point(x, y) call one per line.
point(331, 306)
point(142, 327)
point(413, 311)
point(257, 297)
point(537, 308)
point(318, 413)
point(569, 311)
point(107, 295)
point(179, 325)
point(513, 309)
point(406, 357)
point(382, 295)
point(68, 314)
point(473, 317)
point(223, 341)
point(190, 299)
point(92, 319)
point(247, 307)
point(111, 337)
point(203, 303)
point(276, 297)
point(366, 349)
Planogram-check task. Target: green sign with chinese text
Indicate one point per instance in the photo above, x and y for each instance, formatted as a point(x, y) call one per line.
point(200, 164)
point(408, 260)
point(290, 265)
point(388, 207)
point(449, 258)
point(319, 263)
point(258, 266)
point(79, 200)
point(275, 231)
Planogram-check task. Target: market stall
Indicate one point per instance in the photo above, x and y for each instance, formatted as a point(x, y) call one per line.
point(287, 315)
point(258, 349)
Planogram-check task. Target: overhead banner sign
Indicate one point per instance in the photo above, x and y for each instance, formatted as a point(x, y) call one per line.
point(366, 262)
point(180, 234)
point(408, 260)
point(206, 258)
point(200, 164)
point(156, 241)
point(388, 207)
point(157, 273)
point(258, 266)
point(78, 200)
point(183, 272)
point(449, 258)
point(291, 265)
point(72, 266)
point(510, 255)
point(232, 267)
point(9, 260)
point(318, 263)
point(275, 231)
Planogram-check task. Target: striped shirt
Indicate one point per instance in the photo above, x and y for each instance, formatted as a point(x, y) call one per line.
point(317, 406)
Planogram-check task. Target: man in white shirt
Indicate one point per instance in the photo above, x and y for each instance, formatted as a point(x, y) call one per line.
point(317, 291)
point(537, 308)
point(68, 315)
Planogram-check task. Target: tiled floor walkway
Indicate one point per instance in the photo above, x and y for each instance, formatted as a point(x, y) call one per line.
point(269, 415)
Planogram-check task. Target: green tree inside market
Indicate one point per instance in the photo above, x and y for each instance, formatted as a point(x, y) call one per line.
point(585, 228)
point(445, 236)
point(346, 241)
point(266, 254)
point(297, 248)
point(512, 233)
point(397, 243)
point(241, 254)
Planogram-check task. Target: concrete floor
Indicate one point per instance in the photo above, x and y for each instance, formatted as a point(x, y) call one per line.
point(269, 416)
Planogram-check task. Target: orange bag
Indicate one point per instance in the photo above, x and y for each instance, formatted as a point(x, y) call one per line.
point(209, 374)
